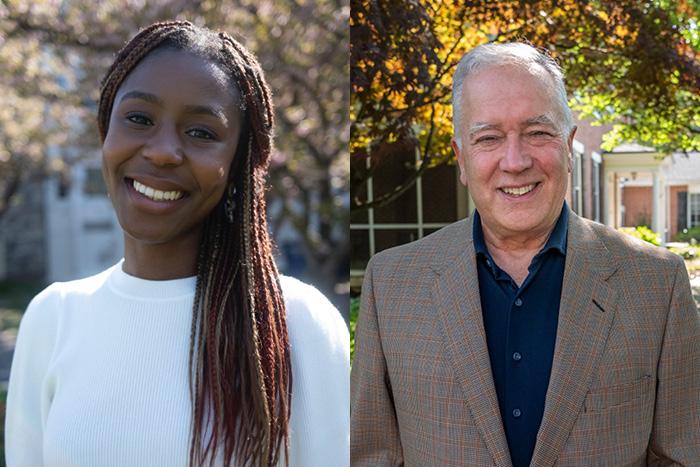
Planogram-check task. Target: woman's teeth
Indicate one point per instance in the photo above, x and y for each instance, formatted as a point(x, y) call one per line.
point(157, 195)
point(519, 191)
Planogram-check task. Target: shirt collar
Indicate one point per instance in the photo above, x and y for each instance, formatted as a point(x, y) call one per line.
point(556, 240)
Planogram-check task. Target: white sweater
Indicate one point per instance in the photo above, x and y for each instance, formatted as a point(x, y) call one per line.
point(99, 375)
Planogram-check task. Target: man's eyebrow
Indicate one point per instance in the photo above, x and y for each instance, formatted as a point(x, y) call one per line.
point(481, 126)
point(145, 96)
point(540, 120)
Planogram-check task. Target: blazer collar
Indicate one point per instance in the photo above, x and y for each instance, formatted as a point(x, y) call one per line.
point(586, 311)
point(456, 295)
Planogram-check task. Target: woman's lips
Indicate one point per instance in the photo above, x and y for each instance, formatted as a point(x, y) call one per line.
point(152, 199)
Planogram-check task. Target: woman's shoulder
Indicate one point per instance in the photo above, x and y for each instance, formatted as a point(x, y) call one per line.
point(311, 315)
point(48, 303)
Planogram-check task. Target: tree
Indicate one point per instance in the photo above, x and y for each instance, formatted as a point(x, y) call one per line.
point(54, 54)
point(633, 64)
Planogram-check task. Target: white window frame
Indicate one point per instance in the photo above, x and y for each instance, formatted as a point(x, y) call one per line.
point(372, 227)
point(577, 178)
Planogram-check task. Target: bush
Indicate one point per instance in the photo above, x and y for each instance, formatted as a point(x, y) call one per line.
point(691, 235)
point(354, 311)
point(688, 253)
point(644, 233)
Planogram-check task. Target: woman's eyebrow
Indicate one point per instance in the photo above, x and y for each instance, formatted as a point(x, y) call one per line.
point(145, 96)
point(216, 112)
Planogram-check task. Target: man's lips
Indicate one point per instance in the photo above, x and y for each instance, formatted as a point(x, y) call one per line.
point(519, 190)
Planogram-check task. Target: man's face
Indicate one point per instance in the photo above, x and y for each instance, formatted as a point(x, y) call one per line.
point(512, 155)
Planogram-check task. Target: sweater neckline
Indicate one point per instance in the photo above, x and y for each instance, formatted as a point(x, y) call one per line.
point(136, 287)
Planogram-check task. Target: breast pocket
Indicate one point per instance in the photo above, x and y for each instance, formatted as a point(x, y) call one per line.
point(603, 398)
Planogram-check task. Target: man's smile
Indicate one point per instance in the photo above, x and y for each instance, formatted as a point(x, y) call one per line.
point(518, 191)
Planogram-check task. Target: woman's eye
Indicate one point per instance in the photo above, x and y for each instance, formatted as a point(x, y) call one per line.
point(139, 119)
point(201, 133)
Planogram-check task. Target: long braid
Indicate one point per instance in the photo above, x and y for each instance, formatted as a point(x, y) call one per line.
point(240, 367)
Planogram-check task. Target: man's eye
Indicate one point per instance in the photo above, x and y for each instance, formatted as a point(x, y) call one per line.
point(201, 133)
point(540, 134)
point(139, 119)
point(487, 139)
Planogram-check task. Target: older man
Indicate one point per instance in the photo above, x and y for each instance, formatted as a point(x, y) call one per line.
point(524, 335)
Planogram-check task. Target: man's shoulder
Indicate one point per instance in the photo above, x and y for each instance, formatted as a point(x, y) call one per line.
point(625, 249)
point(443, 243)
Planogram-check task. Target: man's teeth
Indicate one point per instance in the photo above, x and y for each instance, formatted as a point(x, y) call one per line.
point(519, 191)
point(157, 195)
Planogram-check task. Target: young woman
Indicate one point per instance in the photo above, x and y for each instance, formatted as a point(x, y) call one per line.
point(192, 350)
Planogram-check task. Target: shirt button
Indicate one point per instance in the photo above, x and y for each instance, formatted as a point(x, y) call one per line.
point(518, 302)
point(517, 356)
point(516, 413)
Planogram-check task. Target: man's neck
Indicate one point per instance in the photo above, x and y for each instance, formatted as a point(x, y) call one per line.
point(514, 254)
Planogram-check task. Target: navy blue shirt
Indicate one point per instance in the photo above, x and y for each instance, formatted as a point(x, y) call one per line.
point(521, 329)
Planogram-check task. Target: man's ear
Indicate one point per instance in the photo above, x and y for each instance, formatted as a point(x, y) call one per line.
point(460, 160)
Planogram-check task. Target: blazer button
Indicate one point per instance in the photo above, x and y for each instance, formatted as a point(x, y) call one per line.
point(516, 413)
point(517, 356)
point(518, 302)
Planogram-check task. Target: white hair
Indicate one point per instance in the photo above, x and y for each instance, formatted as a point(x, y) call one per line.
point(513, 53)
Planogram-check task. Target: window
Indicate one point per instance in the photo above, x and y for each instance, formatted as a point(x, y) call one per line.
point(577, 179)
point(595, 157)
point(693, 209)
point(431, 203)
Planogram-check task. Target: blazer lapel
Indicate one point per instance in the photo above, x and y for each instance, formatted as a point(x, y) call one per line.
point(586, 313)
point(456, 293)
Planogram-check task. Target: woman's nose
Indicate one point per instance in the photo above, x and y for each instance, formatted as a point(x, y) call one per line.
point(164, 148)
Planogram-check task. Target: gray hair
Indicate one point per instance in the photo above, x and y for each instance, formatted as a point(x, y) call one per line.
point(512, 53)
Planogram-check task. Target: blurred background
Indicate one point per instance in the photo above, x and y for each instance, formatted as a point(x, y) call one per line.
point(56, 222)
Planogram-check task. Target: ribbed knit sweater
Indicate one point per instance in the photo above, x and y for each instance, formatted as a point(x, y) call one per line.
point(100, 375)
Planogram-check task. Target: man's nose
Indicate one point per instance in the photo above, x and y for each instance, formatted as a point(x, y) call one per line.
point(517, 157)
point(165, 147)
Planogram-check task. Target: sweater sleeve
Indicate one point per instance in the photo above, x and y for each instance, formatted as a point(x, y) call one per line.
point(29, 393)
point(320, 351)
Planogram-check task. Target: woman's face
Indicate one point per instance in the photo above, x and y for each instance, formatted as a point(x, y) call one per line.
point(172, 136)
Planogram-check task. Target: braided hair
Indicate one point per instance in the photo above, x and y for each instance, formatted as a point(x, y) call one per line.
point(240, 370)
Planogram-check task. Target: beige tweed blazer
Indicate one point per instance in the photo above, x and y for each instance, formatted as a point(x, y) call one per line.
point(625, 382)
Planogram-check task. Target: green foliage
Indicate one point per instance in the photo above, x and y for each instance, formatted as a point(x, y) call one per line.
point(642, 232)
point(691, 235)
point(687, 253)
point(354, 312)
point(627, 63)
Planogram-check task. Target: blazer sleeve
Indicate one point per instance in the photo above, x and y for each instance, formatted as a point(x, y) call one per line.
point(675, 437)
point(374, 433)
